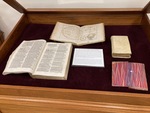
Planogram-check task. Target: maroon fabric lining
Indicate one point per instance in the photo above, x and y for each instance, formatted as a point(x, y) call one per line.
point(90, 78)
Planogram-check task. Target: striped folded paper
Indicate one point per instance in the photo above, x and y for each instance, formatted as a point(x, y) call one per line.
point(129, 74)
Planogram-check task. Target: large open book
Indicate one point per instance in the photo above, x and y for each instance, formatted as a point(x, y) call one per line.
point(41, 59)
point(87, 34)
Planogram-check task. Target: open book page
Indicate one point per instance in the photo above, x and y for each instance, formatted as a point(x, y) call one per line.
point(90, 34)
point(54, 62)
point(87, 34)
point(65, 32)
point(24, 58)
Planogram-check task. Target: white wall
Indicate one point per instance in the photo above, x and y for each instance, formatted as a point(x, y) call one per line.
point(84, 3)
point(9, 16)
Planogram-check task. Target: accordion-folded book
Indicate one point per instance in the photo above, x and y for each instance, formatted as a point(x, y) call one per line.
point(129, 74)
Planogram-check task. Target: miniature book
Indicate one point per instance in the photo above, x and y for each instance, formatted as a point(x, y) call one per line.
point(120, 47)
point(87, 34)
point(41, 59)
point(129, 74)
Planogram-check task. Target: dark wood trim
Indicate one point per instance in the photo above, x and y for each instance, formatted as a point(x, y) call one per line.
point(84, 10)
point(85, 17)
point(12, 38)
point(1, 37)
point(16, 5)
point(146, 25)
point(121, 16)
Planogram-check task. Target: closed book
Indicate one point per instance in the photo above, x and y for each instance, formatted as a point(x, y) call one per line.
point(120, 47)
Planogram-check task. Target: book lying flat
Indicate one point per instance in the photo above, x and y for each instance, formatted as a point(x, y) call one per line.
point(41, 59)
point(88, 57)
point(87, 34)
point(129, 74)
point(120, 47)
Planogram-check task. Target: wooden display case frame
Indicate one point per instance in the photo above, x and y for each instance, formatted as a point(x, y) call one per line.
point(23, 99)
point(1, 37)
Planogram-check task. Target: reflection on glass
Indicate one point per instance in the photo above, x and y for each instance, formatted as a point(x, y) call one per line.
point(83, 3)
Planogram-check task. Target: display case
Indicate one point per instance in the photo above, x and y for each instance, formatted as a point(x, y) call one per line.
point(1, 38)
point(87, 90)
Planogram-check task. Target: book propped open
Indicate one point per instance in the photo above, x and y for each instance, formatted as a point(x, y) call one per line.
point(41, 59)
point(87, 34)
point(120, 47)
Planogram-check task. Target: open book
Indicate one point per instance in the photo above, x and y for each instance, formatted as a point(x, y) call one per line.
point(41, 59)
point(87, 34)
point(120, 47)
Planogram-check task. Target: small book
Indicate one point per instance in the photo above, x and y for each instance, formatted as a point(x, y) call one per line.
point(129, 74)
point(120, 47)
point(41, 59)
point(87, 34)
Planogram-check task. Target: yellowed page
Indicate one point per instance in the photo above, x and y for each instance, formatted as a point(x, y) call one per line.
point(54, 62)
point(90, 34)
point(87, 34)
point(25, 57)
point(66, 33)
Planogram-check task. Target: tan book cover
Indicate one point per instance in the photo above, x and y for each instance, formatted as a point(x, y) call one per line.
point(120, 47)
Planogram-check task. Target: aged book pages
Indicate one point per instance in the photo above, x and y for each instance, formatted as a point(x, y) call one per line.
point(120, 47)
point(87, 34)
point(41, 59)
point(54, 61)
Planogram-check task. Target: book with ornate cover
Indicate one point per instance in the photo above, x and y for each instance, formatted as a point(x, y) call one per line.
point(41, 59)
point(87, 34)
point(129, 74)
point(120, 47)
